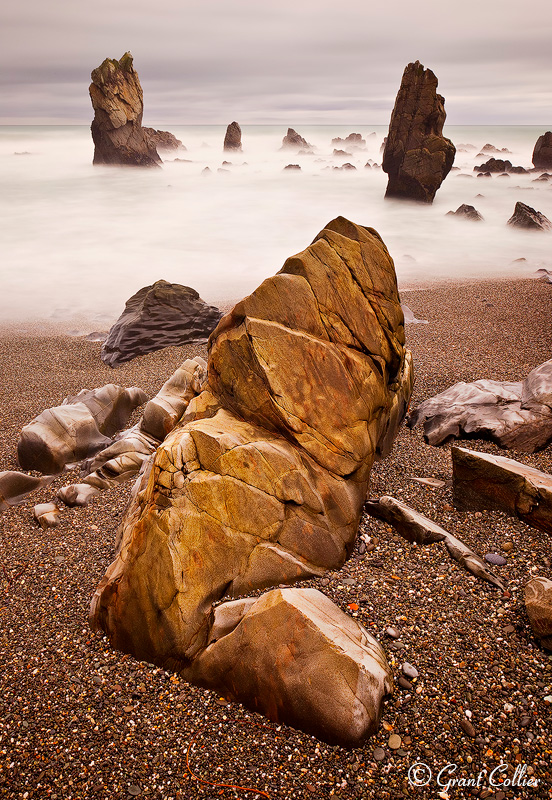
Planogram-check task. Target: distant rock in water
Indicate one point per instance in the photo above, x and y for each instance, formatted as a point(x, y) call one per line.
point(161, 315)
point(467, 212)
point(293, 139)
point(295, 167)
point(491, 149)
point(526, 217)
point(499, 165)
point(232, 140)
point(353, 140)
point(163, 140)
point(117, 131)
point(542, 154)
point(417, 157)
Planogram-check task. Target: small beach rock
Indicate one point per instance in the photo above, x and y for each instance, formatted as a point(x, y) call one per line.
point(78, 494)
point(527, 218)
point(394, 741)
point(15, 486)
point(232, 139)
point(466, 212)
point(417, 157)
point(409, 670)
point(538, 604)
point(467, 727)
point(47, 515)
point(393, 633)
point(117, 100)
point(495, 558)
point(542, 153)
point(161, 315)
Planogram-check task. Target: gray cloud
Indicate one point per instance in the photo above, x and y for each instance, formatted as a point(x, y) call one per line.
point(266, 61)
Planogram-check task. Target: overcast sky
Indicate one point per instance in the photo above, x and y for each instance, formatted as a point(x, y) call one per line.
point(282, 61)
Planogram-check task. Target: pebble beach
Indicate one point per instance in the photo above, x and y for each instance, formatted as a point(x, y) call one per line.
point(473, 689)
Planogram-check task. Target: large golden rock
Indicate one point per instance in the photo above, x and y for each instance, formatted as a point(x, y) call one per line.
point(263, 480)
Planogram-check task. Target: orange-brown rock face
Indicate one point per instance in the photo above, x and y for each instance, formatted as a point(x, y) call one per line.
point(117, 130)
point(417, 157)
point(264, 479)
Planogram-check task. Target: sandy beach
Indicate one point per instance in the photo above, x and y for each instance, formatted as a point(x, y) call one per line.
point(79, 720)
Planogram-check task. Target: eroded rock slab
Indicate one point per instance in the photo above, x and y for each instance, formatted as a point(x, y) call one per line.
point(515, 414)
point(485, 481)
point(308, 664)
point(538, 603)
point(417, 157)
point(161, 315)
point(262, 481)
point(415, 527)
point(117, 132)
point(15, 486)
point(527, 218)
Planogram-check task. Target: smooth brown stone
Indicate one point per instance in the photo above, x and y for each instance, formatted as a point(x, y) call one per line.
point(538, 604)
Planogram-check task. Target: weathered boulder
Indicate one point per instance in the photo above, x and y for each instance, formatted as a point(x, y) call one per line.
point(538, 604)
point(308, 664)
point(495, 165)
point(415, 527)
point(529, 219)
point(161, 315)
point(466, 212)
point(163, 140)
point(263, 480)
point(485, 481)
point(542, 154)
point(80, 427)
point(417, 157)
point(232, 139)
point(117, 100)
point(294, 140)
point(47, 515)
point(515, 414)
point(15, 486)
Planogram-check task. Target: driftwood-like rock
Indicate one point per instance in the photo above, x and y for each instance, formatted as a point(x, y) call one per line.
point(514, 414)
point(466, 212)
point(485, 481)
point(417, 157)
point(538, 604)
point(158, 316)
point(80, 427)
point(117, 132)
point(414, 527)
point(542, 154)
point(15, 486)
point(232, 139)
point(163, 140)
point(294, 140)
point(263, 480)
point(296, 657)
point(526, 217)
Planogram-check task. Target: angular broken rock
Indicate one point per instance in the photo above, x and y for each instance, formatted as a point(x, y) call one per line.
point(542, 154)
point(80, 427)
point(414, 527)
point(417, 157)
point(117, 131)
point(308, 664)
point(538, 604)
point(15, 486)
point(163, 140)
point(483, 481)
point(232, 139)
point(47, 515)
point(263, 480)
point(466, 212)
point(526, 217)
point(515, 414)
point(158, 316)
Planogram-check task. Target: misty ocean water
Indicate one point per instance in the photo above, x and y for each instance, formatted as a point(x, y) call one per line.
point(79, 240)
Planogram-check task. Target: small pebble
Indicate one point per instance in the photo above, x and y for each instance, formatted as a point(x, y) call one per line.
point(409, 670)
point(378, 754)
point(404, 684)
point(393, 633)
point(495, 558)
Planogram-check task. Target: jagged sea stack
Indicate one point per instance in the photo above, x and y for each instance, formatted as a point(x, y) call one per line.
point(542, 154)
point(117, 131)
point(417, 157)
point(232, 140)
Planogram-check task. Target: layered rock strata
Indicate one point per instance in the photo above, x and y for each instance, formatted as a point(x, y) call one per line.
point(117, 132)
point(417, 157)
point(262, 482)
point(157, 316)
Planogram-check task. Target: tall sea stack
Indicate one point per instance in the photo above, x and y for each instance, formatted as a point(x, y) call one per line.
point(417, 157)
point(117, 131)
point(232, 140)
